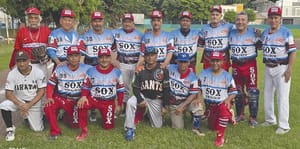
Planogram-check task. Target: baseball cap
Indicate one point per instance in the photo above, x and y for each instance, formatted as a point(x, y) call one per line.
point(32, 10)
point(67, 13)
point(104, 52)
point(186, 14)
point(156, 14)
point(97, 15)
point(127, 16)
point(73, 50)
point(150, 50)
point(216, 55)
point(274, 10)
point(216, 8)
point(183, 57)
point(21, 55)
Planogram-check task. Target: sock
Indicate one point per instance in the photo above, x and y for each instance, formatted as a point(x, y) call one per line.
point(7, 118)
point(196, 122)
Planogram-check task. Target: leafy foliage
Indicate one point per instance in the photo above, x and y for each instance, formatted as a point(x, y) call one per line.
point(229, 16)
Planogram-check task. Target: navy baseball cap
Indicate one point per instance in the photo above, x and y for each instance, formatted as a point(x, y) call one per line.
point(183, 57)
point(22, 55)
point(150, 50)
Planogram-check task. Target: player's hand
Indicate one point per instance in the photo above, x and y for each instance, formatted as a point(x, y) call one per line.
point(197, 102)
point(287, 74)
point(179, 110)
point(139, 68)
point(164, 111)
point(163, 65)
point(23, 113)
point(143, 104)
point(81, 102)
point(118, 110)
point(116, 64)
point(49, 101)
point(227, 103)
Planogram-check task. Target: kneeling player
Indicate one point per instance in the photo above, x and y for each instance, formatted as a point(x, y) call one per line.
point(100, 88)
point(65, 81)
point(184, 89)
point(217, 88)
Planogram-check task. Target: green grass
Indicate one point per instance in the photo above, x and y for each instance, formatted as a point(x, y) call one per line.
point(296, 33)
point(5, 53)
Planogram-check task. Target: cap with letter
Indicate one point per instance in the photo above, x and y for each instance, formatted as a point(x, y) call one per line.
point(216, 55)
point(22, 55)
point(103, 52)
point(97, 15)
point(73, 50)
point(186, 14)
point(150, 50)
point(274, 10)
point(32, 10)
point(67, 13)
point(217, 8)
point(127, 16)
point(183, 57)
point(156, 14)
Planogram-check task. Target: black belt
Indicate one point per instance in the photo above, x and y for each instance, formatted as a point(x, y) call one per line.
point(35, 62)
point(275, 65)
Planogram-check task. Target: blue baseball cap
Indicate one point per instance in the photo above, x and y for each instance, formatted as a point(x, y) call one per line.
point(150, 50)
point(183, 57)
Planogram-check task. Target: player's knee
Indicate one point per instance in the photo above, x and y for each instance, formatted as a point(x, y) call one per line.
point(131, 101)
point(253, 94)
point(240, 96)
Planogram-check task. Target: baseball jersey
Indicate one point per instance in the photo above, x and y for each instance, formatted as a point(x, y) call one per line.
point(103, 85)
point(161, 43)
point(216, 88)
point(128, 45)
point(187, 44)
point(243, 46)
point(67, 82)
point(93, 42)
point(181, 85)
point(59, 41)
point(277, 46)
point(25, 87)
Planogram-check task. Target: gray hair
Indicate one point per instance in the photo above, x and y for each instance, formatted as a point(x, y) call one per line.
point(243, 13)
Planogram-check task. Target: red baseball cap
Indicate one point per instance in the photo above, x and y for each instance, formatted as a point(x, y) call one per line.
point(32, 10)
point(216, 55)
point(216, 8)
point(127, 16)
point(97, 15)
point(103, 52)
point(274, 10)
point(67, 13)
point(186, 14)
point(73, 50)
point(156, 14)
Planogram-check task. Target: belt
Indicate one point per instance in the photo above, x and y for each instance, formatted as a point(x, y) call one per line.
point(35, 62)
point(275, 65)
point(241, 62)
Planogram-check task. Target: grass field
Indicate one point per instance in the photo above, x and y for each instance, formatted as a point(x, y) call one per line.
point(5, 53)
point(240, 136)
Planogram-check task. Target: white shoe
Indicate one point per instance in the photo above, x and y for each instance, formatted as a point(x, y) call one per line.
point(281, 131)
point(198, 132)
point(266, 124)
point(10, 133)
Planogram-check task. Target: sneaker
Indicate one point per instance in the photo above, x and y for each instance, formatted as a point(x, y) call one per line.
point(60, 115)
point(266, 124)
point(83, 134)
point(253, 123)
point(93, 116)
point(129, 134)
point(282, 131)
point(54, 137)
point(10, 133)
point(198, 132)
point(219, 140)
point(240, 118)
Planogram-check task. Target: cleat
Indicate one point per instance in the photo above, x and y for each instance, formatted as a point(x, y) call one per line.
point(219, 140)
point(198, 132)
point(253, 123)
point(83, 134)
point(129, 134)
point(93, 116)
point(266, 124)
point(54, 137)
point(10, 133)
point(240, 118)
point(281, 131)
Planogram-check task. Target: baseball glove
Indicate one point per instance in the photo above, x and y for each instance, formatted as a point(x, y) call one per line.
point(39, 54)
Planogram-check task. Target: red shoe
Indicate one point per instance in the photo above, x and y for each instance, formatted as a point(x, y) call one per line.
point(82, 135)
point(219, 140)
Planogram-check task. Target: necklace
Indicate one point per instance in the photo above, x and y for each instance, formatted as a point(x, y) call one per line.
point(36, 37)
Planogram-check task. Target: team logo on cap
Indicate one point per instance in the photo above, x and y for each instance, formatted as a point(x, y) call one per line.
point(68, 12)
point(274, 9)
point(185, 13)
point(73, 49)
point(156, 13)
point(97, 14)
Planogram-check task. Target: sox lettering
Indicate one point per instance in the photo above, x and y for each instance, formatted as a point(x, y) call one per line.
point(75, 115)
point(213, 93)
point(252, 75)
point(109, 114)
point(215, 43)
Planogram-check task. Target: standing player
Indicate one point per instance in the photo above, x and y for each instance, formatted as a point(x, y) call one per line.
point(101, 86)
point(151, 89)
point(184, 89)
point(128, 47)
point(279, 51)
point(243, 45)
point(185, 39)
point(95, 39)
point(25, 86)
point(62, 38)
point(217, 88)
point(214, 37)
point(63, 91)
point(32, 36)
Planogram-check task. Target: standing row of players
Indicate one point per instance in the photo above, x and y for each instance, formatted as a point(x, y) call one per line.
point(71, 85)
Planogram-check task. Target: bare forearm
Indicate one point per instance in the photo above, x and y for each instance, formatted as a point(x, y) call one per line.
point(189, 99)
point(10, 96)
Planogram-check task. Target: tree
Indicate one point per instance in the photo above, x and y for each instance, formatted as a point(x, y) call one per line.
point(229, 16)
point(251, 15)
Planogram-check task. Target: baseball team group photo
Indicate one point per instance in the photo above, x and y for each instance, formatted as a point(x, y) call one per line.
point(103, 74)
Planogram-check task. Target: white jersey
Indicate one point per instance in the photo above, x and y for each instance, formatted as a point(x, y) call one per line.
point(25, 87)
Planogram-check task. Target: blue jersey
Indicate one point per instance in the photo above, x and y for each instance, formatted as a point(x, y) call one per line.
point(103, 86)
point(277, 46)
point(187, 44)
point(243, 46)
point(93, 42)
point(216, 89)
point(181, 85)
point(69, 82)
point(161, 43)
point(128, 45)
point(59, 41)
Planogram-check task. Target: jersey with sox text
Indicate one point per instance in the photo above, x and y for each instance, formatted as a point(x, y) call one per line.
point(160, 42)
point(243, 46)
point(25, 87)
point(69, 82)
point(103, 86)
point(277, 46)
point(59, 41)
point(188, 44)
point(181, 85)
point(93, 42)
point(128, 45)
point(216, 88)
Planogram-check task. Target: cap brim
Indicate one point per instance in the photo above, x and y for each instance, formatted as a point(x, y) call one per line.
point(271, 14)
point(215, 10)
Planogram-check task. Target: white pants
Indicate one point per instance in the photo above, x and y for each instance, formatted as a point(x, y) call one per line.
point(128, 71)
point(274, 80)
point(154, 107)
point(35, 113)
